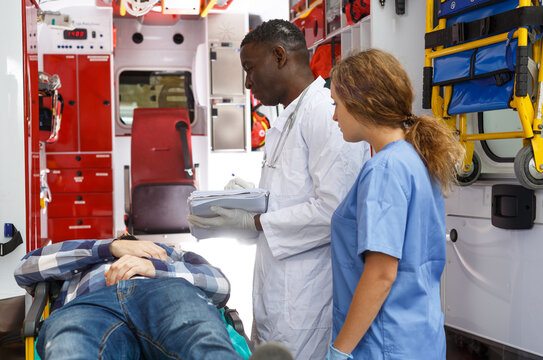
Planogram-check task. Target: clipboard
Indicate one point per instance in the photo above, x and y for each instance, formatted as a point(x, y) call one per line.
point(252, 200)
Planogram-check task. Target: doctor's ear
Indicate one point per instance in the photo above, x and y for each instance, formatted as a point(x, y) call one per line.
point(280, 55)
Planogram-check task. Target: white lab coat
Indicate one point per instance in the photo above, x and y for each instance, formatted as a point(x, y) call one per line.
point(292, 294)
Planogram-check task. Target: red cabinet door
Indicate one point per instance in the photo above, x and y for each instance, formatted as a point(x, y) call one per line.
point(34, 234)
point(34, 102)
point(80, 180)
point(65, 66)
point(61, 229)
point(80, 204)
point(66, 161)
point(35, 206)
point(95, 109)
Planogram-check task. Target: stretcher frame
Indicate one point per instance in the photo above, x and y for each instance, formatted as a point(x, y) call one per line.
point(529, 160)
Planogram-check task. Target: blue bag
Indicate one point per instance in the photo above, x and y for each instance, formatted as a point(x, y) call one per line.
point(482, 78)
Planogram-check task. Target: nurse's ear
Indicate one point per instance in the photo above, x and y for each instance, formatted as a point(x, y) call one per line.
point(279, 55)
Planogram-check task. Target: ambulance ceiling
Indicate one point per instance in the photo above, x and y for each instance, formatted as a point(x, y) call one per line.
point(163, 12)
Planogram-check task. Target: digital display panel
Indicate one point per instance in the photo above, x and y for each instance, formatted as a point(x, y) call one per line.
point(75, 34)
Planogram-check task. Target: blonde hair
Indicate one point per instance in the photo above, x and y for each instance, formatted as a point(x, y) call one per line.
point(374, 87)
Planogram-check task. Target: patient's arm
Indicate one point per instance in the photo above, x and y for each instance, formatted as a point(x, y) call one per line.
point(60, 261)
point(140, 248)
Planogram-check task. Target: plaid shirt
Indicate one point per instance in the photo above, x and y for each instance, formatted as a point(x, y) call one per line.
point(81, 265)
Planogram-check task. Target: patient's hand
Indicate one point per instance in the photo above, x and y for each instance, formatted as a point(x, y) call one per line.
point(128, 266)
point(139, 248)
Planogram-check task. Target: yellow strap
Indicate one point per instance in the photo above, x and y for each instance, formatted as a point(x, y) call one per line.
point(208, 7)
point(122, 8)
point(308, 11)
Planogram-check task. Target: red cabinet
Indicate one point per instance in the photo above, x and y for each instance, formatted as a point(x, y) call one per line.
point(311, 23)
point(65, 66)
point(79, 228)
point(80, 163)
point(86, 90)
point(80, 180)
point(95, 126)
point(66, 161)
point(81, 205)
point(314, 25)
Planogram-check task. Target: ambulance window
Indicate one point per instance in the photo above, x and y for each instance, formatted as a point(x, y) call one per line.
point(154, 89)
point(503, 150)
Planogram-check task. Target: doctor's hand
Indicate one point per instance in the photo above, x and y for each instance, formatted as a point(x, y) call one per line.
point(239, 184)
point(228, 218)
point(335, 354)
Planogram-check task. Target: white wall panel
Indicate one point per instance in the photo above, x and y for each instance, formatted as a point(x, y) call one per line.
point(12, 142)
point(493, 284)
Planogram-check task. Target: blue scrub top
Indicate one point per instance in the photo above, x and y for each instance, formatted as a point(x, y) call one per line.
point(393, 208)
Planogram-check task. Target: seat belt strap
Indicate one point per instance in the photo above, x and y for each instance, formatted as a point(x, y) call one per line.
point(496, 24)
point(16, 240)
point(183, 128)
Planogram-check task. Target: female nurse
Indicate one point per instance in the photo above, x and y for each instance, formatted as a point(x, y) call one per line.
point(388, 234)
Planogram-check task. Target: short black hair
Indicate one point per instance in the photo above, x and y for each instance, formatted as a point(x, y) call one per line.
point(277, 31)
point(127, 236)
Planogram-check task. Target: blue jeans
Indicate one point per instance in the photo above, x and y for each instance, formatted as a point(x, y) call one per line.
point(139, 318)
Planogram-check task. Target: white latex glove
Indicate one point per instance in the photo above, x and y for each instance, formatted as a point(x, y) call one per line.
point(228, 218)
point(239, 184)
point(335, 354)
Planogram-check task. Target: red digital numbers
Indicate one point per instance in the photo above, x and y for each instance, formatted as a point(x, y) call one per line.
point(76, 34)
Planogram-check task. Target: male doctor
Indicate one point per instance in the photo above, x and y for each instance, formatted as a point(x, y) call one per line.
point(308, 169)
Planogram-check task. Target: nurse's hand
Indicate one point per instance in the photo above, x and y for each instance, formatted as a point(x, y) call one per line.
point(335, 354)
point(239, 184)
point(228, 218)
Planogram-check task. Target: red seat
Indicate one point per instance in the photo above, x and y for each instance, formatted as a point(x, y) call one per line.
point(162, 172)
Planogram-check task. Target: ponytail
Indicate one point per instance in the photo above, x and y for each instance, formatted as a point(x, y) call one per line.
point(440, 151)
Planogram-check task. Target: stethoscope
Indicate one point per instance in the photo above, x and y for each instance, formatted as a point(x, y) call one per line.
point(284, 135)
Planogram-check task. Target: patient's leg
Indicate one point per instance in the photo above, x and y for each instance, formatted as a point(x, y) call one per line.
point(89, 327)
point(174, 319)
point(157, 318)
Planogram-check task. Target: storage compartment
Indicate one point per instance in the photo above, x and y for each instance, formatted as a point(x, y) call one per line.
point(61, 229)
point(82, 204)
point(86, 91)
point(492, 282)
point(80, 180)
point(65, 66)
point(228, 127)
point(95, 110)
point(314, 25)
point(226, 71)
point(66, 161)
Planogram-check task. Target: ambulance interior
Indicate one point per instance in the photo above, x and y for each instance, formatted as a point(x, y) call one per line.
point(75, 71)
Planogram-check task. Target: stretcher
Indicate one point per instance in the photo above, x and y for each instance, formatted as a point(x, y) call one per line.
point(483, 55)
